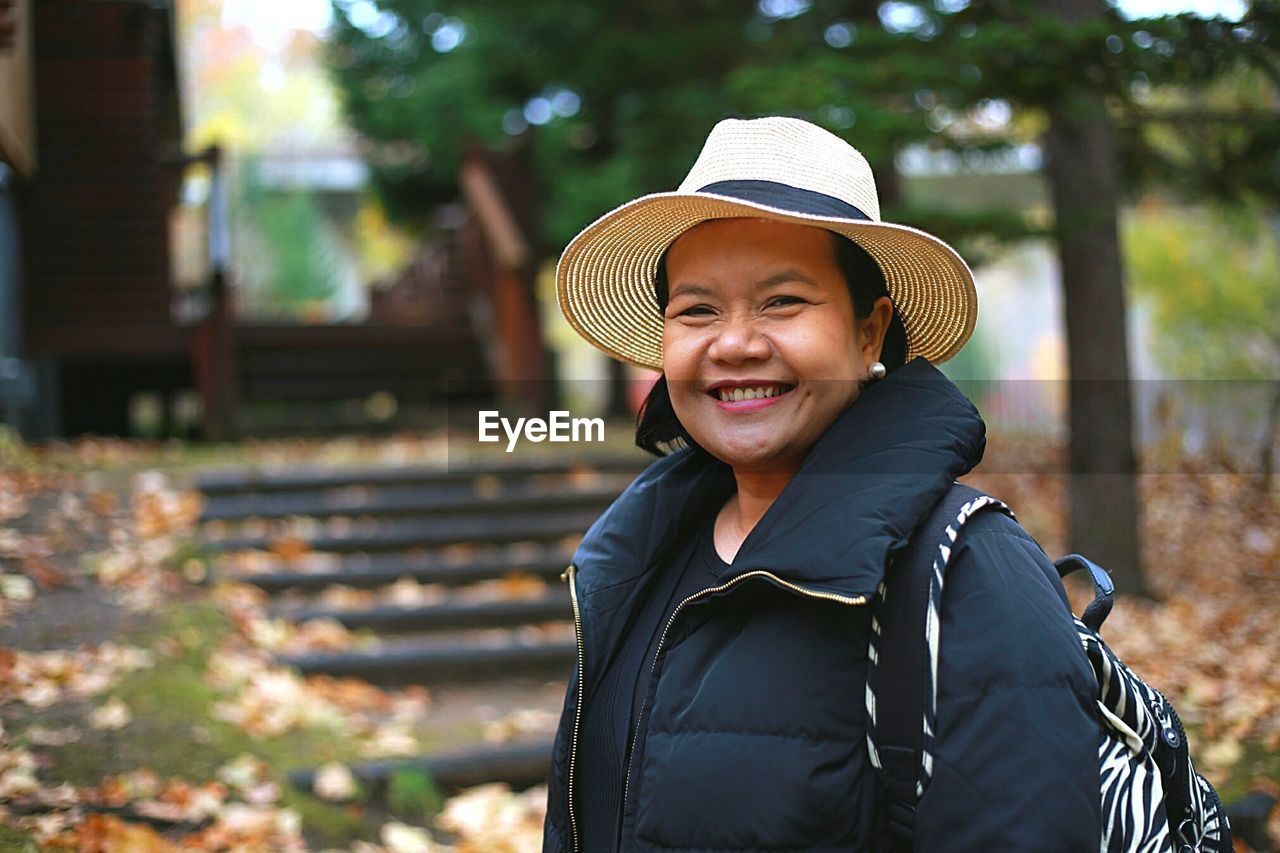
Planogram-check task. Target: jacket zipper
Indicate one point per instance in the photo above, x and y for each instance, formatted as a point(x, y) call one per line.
point(828, 596)
point(568, 574)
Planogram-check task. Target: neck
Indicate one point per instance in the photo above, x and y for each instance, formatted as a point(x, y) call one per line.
point(757, 490)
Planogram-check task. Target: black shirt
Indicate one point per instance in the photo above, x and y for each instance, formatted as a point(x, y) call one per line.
point(609, 713)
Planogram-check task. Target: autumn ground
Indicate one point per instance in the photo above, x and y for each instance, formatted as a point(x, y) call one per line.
point(139, 708)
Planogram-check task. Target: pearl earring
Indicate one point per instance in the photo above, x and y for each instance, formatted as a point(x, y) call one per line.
point(878, 370)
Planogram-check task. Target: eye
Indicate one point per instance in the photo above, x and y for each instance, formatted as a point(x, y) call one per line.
point(694, 310)
point(785, 300)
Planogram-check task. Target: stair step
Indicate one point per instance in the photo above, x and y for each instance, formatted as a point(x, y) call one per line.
point(439, 617)
point(300, 477)
point(398, 500)
point(520, 765)
point(420, 662)
point(367, 571)
point(435, 532)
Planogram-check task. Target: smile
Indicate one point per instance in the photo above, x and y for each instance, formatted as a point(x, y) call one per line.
point(729, 394)
point(748, 398)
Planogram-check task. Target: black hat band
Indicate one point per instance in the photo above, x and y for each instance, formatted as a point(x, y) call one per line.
point(786, 197)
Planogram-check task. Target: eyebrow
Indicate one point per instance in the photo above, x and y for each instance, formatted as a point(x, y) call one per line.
point(782, 276)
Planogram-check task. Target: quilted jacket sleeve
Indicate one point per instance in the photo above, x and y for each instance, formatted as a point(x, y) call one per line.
point(1016, 764)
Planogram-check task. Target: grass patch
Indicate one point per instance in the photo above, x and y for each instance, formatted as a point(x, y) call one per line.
point(414, 794)
point(187, 550)
point(174, 733)
point(15, 841)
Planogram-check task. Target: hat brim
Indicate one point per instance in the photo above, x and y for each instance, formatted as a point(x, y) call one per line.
point(605, 277)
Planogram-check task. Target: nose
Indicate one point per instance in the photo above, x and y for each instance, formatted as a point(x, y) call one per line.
point(739, 339)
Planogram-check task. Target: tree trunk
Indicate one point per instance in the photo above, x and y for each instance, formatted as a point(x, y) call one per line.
point(1083, 177)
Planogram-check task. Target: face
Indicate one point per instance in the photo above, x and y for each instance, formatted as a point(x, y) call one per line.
point(760, 314)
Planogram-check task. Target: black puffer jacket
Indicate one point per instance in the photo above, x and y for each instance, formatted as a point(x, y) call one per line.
point(753, 732)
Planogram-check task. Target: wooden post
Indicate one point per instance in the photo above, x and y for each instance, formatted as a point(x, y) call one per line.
point(519, 364)
point(213, 345)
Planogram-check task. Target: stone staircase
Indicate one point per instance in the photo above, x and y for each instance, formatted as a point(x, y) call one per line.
point(488, 541)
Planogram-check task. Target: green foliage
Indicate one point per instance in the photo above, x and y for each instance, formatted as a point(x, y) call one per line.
point(414, 794)
point(14, 453)
point(17, 842)
point(624, 93)
point(628, 92)
point(290, 244)
point(1220, 142)
point(1212, 279)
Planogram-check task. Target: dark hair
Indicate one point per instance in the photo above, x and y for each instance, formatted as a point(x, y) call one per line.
point(657, 424)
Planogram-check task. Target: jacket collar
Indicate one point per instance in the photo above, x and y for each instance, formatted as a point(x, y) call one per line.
point(861, 490)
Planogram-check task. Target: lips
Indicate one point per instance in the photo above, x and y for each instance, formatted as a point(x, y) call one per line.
point(733, 393)
point(745, 396)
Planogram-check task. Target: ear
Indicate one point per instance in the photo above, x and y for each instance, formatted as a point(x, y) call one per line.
point(873, 329)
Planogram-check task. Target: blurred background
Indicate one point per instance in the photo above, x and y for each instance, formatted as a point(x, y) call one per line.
point(261, 263)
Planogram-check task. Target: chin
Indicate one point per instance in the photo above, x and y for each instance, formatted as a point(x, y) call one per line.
point(751, 454)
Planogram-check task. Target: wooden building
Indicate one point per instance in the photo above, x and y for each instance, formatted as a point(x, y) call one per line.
point(17, 163)
point(91, 164)
point(95, 184)
point(456, 329)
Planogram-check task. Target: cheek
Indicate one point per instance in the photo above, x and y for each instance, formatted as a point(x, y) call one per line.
point(680, 353)
point(825, 347)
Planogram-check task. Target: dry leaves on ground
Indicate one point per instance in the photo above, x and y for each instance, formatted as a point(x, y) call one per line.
point(267, 699)
point(236, 811)
point(493, 818)
point(160, 519)
point(42, 679)
point(1211, 546)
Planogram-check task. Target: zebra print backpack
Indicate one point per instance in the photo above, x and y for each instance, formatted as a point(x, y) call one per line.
point(1152, 797)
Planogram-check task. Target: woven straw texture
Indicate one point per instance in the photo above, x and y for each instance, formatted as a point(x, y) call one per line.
point(605, 278)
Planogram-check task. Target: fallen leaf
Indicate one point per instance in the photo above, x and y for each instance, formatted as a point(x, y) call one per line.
point(44, 736)
point(244, 771)
point(334, 782)
point(289, 547)
point(115, 714)
point(402, 838)
point(17, 588)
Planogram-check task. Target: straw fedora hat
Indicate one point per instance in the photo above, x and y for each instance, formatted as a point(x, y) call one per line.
point(775, 168)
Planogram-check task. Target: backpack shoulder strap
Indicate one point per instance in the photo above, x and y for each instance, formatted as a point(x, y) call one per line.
point(901, 673)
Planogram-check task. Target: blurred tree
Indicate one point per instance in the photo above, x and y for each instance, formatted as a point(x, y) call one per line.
point(623, 95)
point(252, 97)
point(384, 249)
point(1062, 72)
point(244, 95)
point(1212, 277)
point(295, 270)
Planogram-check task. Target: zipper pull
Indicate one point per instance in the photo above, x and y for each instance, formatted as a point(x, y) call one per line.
point(564, 576)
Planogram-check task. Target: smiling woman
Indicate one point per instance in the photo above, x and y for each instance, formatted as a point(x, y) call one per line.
point(724, 603)
point(762, 348)
point(792, 284)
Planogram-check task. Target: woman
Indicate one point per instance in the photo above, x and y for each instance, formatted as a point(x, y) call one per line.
point(723, 601)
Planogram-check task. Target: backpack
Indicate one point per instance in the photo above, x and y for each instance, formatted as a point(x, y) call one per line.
point(1152, 797)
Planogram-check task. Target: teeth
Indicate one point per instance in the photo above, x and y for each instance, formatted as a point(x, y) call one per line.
point(732, 394)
